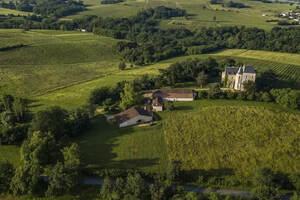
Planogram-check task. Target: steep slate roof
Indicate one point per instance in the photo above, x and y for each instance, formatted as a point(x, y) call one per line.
point(239, 70)
point(231, 70)
point(130, 114)
point(249, 69)
point(173, 93)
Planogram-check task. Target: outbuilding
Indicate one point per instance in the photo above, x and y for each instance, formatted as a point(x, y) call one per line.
point(133, 116)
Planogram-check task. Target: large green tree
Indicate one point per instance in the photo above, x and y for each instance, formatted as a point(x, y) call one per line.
point(129, 97)
point(201, 79)
point(54, 120)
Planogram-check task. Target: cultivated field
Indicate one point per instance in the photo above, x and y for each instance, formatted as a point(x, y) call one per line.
point(239, 139)
point(52, 59)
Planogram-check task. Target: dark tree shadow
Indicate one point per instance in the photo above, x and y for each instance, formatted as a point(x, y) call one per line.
point(183, 108)
point(98, 144)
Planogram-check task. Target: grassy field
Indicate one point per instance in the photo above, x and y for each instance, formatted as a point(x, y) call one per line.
point(107, 146)
point(201, 12)
point(237, 139)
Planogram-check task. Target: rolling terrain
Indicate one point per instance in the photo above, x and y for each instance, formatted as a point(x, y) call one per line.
point(61, 68)
point(201, 12)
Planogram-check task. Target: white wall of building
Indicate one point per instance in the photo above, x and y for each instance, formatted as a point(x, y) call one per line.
point(136, 120)
point(178, 99)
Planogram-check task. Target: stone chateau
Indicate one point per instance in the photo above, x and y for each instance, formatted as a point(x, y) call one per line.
point(235, 77)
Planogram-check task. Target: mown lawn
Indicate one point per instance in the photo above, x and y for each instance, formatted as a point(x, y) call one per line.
point(107, 146)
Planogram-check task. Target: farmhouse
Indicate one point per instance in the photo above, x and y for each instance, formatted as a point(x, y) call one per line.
point(157, 104)
point(172, 94)
point(235, 77)
point(132, 117)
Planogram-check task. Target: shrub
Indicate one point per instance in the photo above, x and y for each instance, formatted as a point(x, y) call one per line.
point(266, 97)
point(231, 95)
point(241, 96)
point(122, 65)
point(202, 95)
point(295, 180)
point(251, 97)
